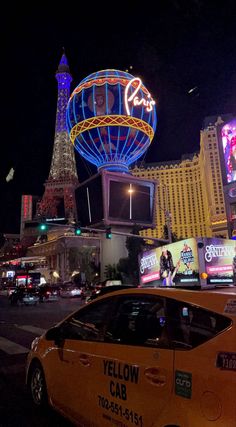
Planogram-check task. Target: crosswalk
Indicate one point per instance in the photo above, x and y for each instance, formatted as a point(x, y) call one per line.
point(13, 348)
point(29, 328)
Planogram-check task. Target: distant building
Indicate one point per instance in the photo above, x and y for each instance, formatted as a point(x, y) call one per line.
point(191, 189)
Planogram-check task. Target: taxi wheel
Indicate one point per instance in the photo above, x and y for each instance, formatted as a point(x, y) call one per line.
point(37, 385)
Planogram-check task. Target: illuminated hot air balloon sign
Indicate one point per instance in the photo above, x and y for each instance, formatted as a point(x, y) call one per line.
point(111, 119)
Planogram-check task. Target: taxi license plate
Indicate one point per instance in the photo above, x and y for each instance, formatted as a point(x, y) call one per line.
point(226, 361)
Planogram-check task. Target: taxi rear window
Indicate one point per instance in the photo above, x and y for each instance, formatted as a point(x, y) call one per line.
point(163, 322)
point(191, 325)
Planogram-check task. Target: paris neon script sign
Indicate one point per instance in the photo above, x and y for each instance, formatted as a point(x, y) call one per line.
point(135, 99)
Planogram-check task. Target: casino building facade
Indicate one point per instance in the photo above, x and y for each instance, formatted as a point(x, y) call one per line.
point(191, 190)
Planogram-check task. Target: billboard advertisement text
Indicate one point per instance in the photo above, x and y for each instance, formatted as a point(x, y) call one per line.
point(173, 264)
point(220, 260)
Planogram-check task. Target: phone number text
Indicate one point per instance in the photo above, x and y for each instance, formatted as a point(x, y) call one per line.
point(120, 410)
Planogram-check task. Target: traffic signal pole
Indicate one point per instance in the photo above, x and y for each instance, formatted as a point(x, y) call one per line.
point(111, 231)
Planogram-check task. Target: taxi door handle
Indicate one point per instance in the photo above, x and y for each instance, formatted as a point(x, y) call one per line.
point(84, 359)
point(155, 376)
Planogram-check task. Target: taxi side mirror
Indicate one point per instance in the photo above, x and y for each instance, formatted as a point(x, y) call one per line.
point(55, 334)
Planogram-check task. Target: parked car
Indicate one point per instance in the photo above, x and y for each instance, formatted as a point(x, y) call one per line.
point(70, 291)
point(48, 293)
point(141, 357)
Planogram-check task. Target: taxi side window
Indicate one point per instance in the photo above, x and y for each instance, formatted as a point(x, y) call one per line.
point(139, 320)
point(88, 324)
point(190, 325)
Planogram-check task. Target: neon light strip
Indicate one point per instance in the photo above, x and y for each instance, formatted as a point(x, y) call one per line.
point(98, 130)
point(109, 72)
point(137, 152)
point(107, 113)
point(93, 152)
point(140, 147)
point(127, 139)
point(101, 81)
point(120, 104)
point(113, 120)
point(117, 165)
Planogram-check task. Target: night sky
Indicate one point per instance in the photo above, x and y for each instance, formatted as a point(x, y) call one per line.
point(185, 53)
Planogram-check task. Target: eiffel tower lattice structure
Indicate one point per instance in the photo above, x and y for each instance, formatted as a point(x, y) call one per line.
point(59, 196)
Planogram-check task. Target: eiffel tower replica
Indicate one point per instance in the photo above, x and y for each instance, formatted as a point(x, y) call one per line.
point(58, 200)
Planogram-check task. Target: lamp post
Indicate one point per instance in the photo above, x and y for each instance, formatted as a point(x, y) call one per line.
point(168, 224)
point(167, 214)
point(130, 200)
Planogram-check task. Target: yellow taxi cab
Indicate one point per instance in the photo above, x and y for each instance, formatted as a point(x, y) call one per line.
point(160, 357)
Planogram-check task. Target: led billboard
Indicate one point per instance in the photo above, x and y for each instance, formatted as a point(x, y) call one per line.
point(196, 261)
point(228, 138)
point(173, 264)
point(220, 260)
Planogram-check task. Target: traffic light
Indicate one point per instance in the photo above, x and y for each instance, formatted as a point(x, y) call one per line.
point(43, 227)
point(108, 233)
point(78, 230)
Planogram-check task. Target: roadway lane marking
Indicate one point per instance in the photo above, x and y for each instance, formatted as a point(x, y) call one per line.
point(33, 329)
point(11, 347)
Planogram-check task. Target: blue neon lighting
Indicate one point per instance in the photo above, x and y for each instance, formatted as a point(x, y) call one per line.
point(112, 146)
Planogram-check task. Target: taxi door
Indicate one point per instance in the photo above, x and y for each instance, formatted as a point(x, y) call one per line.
point(71, 367)
point(69, 372)
point(134, 379)
point(204, 392)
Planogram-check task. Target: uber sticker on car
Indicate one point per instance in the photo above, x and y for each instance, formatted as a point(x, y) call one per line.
point(115, 403)
point(183, 384)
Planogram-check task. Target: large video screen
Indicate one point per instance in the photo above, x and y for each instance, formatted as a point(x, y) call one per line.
point(113, 198)
point(129, 200)
point(228, 137)
point(89, 202)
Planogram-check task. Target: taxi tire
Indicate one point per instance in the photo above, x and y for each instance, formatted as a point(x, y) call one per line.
point(37, 385)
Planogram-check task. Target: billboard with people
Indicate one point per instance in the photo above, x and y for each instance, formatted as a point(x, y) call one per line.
point(171, 264)
point(228, 138)
point(220, 260)
point(192, 262)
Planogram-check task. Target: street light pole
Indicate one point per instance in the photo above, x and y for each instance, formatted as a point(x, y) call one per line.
point(168, 220)
point(167, 214)
point(130, 201)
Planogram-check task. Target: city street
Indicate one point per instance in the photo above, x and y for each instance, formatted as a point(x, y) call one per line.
point(18, 327)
